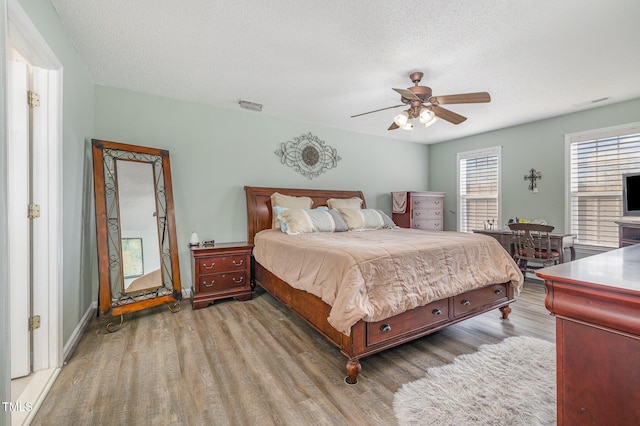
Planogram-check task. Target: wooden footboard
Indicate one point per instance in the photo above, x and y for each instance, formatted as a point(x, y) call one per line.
point(368, 338)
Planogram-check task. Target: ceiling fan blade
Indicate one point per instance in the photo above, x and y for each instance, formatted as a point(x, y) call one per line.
point(463, 98)
point(448, 115)
point(408, 94)
point(393, 126)
point(381, 109)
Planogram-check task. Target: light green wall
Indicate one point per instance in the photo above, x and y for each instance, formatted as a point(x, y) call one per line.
point(540, 145)
point(215, 152)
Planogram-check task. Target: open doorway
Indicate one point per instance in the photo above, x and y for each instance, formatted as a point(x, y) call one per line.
point(35, 228)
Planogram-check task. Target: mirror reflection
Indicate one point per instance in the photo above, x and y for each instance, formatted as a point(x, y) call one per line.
point(138, 226)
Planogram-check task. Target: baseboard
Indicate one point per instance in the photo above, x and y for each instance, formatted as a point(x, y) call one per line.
point(33, 396)
point(73, 341)
point(186, 293)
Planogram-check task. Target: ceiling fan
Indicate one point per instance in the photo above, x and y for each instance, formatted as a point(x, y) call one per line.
point(425, 107)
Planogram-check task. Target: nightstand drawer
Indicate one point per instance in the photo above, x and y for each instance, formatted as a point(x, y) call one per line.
point(221, 281)
point(212, 264)
point(219, 272)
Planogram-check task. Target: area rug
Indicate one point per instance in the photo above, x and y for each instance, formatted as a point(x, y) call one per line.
point(509, 383)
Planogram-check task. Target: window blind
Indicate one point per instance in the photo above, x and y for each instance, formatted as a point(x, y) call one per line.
point(596, 169)
point(479, 187)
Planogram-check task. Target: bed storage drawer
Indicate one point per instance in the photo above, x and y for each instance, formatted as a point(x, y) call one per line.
point(433, 313)
point(476, 299)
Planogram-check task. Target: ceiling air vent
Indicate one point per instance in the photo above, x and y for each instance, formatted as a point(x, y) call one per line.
point(253, 106)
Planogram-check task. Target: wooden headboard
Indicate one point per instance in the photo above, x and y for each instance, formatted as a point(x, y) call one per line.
point(259, 203)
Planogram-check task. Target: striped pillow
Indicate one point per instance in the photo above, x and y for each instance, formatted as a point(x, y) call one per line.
point(304, 221)
point(364, 219)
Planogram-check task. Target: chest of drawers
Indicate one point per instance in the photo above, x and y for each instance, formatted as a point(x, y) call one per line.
point(424, 210)
point(219, 272)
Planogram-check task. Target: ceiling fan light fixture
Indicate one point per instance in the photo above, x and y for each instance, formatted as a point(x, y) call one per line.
point(402, 119)
point(408, 126)
point(430, 122)
point(426, 116)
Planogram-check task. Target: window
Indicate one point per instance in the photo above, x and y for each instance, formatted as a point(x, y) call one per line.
point(479, 189)
point(597, 160)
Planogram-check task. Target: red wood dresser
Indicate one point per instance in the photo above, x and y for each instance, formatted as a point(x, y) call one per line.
point(596, 302)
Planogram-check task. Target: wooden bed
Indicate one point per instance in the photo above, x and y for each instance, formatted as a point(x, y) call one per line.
point(366, 338)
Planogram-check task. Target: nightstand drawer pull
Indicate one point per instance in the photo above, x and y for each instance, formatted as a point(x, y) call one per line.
point(204, 283)
point(204, 265)
point(239, 263)
point(465, 302)
point(238, 281)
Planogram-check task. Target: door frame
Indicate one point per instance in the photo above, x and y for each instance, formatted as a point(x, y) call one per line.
point(47, 291)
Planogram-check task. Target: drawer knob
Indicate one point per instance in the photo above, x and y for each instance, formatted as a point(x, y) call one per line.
point(436, 312)
point(465, 302)
point(239, 263)
point(385, 328)
point(498, 291)
point(238, 280)
point(204, 265)
point(204, 283)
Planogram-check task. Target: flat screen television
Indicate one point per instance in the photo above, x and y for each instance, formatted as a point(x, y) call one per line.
point(631, 194)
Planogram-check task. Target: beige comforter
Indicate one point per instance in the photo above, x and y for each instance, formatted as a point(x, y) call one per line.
point(372, 275)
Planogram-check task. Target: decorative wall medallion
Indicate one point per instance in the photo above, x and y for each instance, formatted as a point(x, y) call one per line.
point(308, 155)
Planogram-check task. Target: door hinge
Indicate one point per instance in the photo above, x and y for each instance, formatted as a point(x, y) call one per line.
point(34, 322)
point(34, 211)
point(33, 99)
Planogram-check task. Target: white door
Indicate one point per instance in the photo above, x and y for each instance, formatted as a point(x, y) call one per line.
point(18, 189)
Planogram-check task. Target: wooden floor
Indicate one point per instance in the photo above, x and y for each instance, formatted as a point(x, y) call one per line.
point(253, 363)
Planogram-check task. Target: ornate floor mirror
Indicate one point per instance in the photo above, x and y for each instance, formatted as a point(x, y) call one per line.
point(136, 234)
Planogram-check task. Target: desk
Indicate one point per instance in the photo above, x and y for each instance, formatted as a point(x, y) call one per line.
point(559, 242)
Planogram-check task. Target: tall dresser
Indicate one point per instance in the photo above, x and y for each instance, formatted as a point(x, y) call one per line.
point(418, 210)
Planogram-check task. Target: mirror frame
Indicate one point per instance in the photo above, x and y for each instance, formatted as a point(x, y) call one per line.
point(108, 306)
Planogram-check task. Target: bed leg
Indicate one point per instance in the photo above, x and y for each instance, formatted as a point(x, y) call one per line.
point(506, 310)
point(353, 368)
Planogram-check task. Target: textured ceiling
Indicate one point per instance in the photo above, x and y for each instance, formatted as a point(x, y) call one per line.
point(323, 61)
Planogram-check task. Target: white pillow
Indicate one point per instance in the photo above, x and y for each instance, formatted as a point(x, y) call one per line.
point(281, 200)
point(344, 203)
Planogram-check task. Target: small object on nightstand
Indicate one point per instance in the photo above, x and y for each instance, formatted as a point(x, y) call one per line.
point(208, 243)
point(194, 240)
point(220, 272)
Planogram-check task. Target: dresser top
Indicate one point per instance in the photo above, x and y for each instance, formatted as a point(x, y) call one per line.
point(618, 268)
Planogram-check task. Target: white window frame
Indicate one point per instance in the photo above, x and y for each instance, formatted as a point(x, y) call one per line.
point(589, 135)
point(496, 150)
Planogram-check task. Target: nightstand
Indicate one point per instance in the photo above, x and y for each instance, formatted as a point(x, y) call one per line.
point(219, 272)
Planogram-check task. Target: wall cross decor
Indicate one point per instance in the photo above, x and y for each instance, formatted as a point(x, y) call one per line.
point(533, 177)
point(308, 155)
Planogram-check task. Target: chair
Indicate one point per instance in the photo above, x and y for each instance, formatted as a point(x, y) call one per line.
point(532, 244)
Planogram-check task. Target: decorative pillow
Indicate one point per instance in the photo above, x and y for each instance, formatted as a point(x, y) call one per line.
point(304, 221)
point(281, 200)
point(363, 219)
point(283, 226)
point(344, 203)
